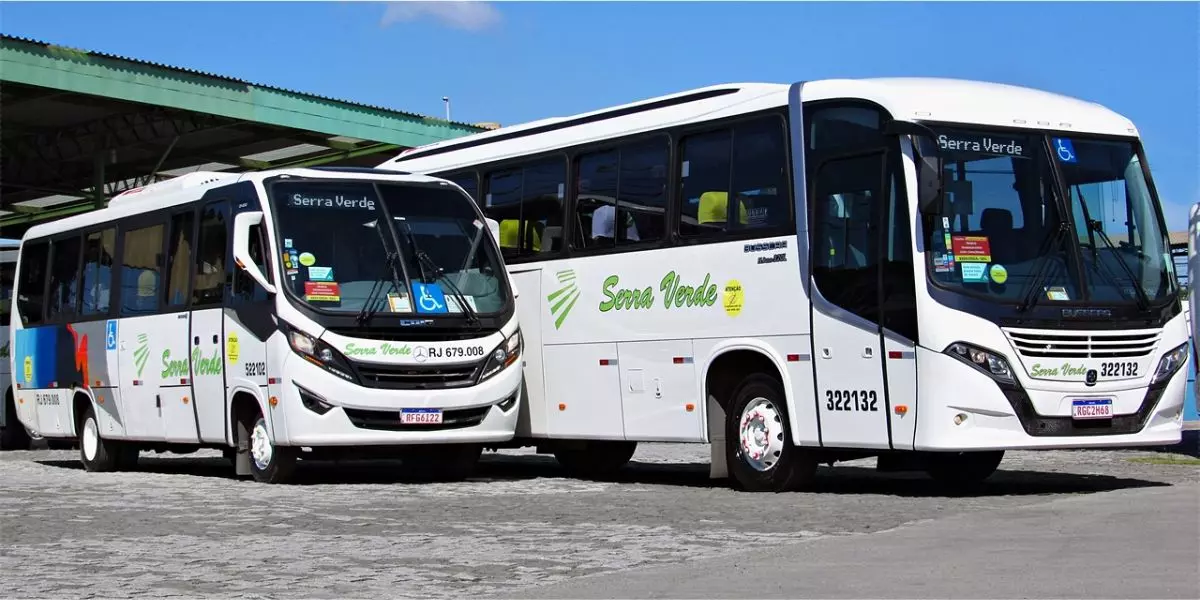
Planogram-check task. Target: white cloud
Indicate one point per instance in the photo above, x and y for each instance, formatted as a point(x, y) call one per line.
point(471, 16)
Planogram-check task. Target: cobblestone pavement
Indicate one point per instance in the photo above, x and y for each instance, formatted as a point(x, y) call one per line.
point(182, 526)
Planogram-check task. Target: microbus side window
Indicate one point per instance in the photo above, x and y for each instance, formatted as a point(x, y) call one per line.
point(180, 257)
point(621, 195)
point(466, 181)
point(141, 270)
point(98, 250)
point(746, 162)
point(208, 287)
point(65, 260)
point(527, 201)
point(31, 287)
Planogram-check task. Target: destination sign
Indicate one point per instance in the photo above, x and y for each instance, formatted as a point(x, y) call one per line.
point(984, 144)
point(343, 201)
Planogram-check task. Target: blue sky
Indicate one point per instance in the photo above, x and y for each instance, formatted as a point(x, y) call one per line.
point(512, 62)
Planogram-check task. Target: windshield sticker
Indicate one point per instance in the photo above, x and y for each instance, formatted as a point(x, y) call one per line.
point(307, 259)
point(398, 303)
point(943, 263)
point(320, 273)
point(999, 273)
point(429, 298)
point(317, 291)
point(287, 260)
point(287, 242)
point(1058, 293)
point(972, 248)
point(1064, 150)
point(974, 272)
point(452, 304)
point(354, 202)
point(981, 144)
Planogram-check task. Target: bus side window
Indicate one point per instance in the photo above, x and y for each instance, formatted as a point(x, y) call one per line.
point(98, 253)
point(527, 201)
point(141, 270)
point(64, 278)
point(179, 258)
point(208, 286)
point(31, 287)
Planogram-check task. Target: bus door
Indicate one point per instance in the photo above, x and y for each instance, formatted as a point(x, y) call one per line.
point(845, 211)
point(207, 338)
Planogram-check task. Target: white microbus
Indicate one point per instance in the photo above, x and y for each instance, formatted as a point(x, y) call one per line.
point(929, 271)
point(276, 315)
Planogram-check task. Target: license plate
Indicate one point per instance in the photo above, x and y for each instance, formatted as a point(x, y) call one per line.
point(420, 416)
point(1092, 408)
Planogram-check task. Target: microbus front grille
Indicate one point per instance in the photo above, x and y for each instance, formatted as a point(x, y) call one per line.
point(389, 420)
point(1066, 344)
point(413, 377)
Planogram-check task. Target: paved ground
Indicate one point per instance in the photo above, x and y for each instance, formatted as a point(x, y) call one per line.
point(1050, 524)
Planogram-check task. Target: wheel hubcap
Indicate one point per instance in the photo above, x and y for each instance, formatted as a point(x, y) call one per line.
point(760, 434)
point(260, 446)
point(91, 439)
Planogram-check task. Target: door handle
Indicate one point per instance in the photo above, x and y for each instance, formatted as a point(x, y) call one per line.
point(868, 352)
point(826, 353)
point(196, 340)
point(216, 338)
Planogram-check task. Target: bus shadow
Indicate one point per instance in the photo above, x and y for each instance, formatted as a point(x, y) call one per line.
point(839, 480)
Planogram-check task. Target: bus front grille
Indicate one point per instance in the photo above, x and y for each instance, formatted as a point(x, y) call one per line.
point(413, 377)
point(389, 420)
point(1069, 344)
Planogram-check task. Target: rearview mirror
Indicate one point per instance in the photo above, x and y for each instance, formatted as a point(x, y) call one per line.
point(929, 163)
point(242, 223)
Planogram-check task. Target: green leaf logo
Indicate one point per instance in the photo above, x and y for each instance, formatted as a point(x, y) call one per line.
point(564, 298)
point(142, 353)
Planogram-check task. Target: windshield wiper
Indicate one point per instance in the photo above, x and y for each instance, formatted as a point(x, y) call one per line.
point(1052, 240)
point(423, 261)
point(390, 261)
point(1143, 300)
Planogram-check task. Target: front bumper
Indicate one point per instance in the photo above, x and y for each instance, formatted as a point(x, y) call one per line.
point(998, 419)
point(363, 416)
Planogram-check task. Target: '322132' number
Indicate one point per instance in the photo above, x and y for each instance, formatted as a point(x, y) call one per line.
point(862, 400)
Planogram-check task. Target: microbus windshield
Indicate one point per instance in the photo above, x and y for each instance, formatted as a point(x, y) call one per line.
point(1004, 232)
point(365, 248)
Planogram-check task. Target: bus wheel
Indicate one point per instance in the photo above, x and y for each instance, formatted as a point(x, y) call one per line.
point(443, 462)
point(269, 463)
point(758, 447)
point(595, 459)
point(98, 454)
point(960, 470)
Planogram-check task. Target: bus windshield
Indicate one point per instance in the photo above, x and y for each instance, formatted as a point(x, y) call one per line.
point(1004, 233)
point(337, 237)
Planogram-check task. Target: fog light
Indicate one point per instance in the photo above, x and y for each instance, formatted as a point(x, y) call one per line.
point(507, 403)
point(314, 402)
point(960, 418)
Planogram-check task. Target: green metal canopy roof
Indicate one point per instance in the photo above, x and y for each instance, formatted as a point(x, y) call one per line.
point(78, 126)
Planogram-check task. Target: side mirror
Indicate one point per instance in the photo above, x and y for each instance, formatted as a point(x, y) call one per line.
point(494, 227)
point(929, 163)
point(242, 223)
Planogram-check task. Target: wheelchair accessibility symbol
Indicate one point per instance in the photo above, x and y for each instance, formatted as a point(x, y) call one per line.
point(429, 298)
point(1064, 150)
point(110, 335)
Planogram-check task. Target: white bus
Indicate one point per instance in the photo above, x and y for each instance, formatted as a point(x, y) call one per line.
point(276, 315)
point(921, 270)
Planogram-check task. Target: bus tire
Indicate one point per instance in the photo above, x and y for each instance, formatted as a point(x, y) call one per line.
point(97, 454)
point(595, 459)
point(962, 470)
point(269, 463)
point(758, 448)
point(13, 436)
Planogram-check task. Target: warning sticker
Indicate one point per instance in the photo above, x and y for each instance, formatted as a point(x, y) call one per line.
point(974, 272)
point(972, 248)
point(319, 291)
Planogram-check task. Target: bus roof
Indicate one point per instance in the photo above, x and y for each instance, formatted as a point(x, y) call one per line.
point(906, 98)
point(191, 187)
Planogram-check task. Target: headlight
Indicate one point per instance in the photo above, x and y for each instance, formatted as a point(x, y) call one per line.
point(504, 355)
point(1169, 364)
point(989, 362)
point(319, 353)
